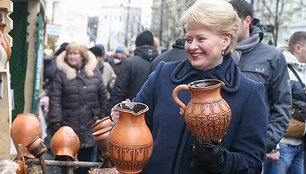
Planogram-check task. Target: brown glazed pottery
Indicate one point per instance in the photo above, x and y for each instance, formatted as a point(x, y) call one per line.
point(5, 48)
point(36, 147)
point(101, 138)
point(130, 142)
point(25, 128)
point(103, 123)
point(65, 142)
point(207, 114)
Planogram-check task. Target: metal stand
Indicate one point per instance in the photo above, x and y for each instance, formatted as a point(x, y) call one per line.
point(68, 164)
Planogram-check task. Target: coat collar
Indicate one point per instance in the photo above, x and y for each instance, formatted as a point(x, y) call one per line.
point(227, 72)
point(70, 72)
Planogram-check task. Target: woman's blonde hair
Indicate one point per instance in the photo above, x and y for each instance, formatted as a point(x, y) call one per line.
point(83, 50)
point(217, 15)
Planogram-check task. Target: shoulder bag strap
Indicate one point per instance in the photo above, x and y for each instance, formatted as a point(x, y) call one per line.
point(296, 75)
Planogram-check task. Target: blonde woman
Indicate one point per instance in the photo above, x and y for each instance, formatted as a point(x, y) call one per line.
point(78, 97)
point(211, 35)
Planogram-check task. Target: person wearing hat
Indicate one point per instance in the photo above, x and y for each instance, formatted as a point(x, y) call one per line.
point(134, 70)
point(108, 74)
point(116, 60)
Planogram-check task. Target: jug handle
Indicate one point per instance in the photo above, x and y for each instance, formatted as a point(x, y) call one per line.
point(177, 100)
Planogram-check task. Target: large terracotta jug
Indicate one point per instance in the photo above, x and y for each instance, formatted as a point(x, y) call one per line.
point(25, 128)
point(130, 142)
point(5, 49)
point(207, 114)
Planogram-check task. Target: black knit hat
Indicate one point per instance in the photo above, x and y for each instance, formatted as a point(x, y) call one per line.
point(144, 38)
point(96, 51)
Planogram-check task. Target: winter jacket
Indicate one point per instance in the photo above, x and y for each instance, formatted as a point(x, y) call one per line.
point(77, 96)
point(133, 73)
point(176, 53)
point(266, 64)
point(244, 141)
point(300, 69)
point(296, 88)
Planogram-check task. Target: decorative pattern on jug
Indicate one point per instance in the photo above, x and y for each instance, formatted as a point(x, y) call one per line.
point(130, 158)
point(207, 114)
point(208, 120)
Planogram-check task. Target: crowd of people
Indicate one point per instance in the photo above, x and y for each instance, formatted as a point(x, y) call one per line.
point(264, 87)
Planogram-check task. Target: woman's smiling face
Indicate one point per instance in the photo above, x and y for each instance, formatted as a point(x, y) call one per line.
point(204, 47)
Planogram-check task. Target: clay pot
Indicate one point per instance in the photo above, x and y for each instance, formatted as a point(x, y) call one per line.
point(101, 138)
point(130, 142)
point(25, 128)
point(103, 123)
point(207, 114)
point(65, 142)
point(36, 147)
point(5, 49)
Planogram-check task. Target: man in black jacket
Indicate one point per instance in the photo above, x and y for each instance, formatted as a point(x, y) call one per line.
point(134, 70)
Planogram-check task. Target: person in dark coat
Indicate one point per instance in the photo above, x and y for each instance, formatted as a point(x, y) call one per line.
point(134, 70)
point(176, 53)
point(265, 64)
point(78, 97)
point(211, 33)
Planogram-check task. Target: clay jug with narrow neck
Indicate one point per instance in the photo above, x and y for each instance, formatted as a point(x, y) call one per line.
point(25, 128)
point(207, 114)
point(130, 142)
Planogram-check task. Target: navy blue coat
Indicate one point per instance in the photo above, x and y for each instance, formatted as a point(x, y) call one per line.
point(245, 138)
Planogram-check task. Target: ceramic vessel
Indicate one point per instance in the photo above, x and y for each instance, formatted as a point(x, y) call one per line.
point(36, 147)
point(130, 142)
point(101, 136)
point(207, 114)
point(5, 49)
point(25, 128)
point(103, 123)
point(65, 142)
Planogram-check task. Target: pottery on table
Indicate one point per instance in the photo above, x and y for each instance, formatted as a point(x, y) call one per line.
point(130, 142)
point(207, 114)
point(65, 142)
point(24, 129)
